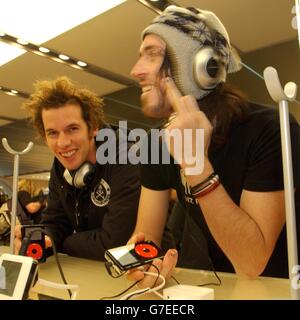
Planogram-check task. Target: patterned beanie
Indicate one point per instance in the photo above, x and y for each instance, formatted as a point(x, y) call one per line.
point(185, 32)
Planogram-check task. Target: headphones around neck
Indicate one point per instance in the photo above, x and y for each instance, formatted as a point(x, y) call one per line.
point(82, 176)
point(208, 69)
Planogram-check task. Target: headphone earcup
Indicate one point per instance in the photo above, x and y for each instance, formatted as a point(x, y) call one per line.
point(207, 69)
point(81, 177)
point(68, 177)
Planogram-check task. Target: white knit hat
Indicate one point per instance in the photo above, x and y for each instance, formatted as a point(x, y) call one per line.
point(185, 31)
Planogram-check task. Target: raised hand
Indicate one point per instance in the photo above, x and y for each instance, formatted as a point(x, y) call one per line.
point(191, 126)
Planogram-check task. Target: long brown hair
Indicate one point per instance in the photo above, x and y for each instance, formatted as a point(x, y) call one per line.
point(223, 107)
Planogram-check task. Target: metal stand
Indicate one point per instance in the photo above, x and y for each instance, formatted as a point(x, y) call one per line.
point(15, 187)
point(282, 97)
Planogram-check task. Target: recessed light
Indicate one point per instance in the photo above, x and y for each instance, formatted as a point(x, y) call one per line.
point(23, 42)
point(81, 63)
point(44, 50)
point(63, 57)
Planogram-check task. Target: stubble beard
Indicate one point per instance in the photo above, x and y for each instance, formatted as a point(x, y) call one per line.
point(154, 104)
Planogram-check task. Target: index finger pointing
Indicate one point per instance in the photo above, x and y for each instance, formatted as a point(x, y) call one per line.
point(174, 95)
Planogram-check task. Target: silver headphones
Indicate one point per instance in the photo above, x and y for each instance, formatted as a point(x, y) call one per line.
point(80, 177)
point(208, 69)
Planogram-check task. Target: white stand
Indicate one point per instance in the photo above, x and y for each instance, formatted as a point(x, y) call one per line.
point(15, 187)
point(282, 97)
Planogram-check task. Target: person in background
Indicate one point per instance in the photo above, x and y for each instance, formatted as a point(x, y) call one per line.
point(237, 197)
point(3, 196)
point(31, 200)
point(91, 206)
point(4, 218)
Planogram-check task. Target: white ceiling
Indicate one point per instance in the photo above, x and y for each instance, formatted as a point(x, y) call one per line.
point(111, 41)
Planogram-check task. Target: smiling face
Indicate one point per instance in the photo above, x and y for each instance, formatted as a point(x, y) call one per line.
point(148, 71)
point(68, 137)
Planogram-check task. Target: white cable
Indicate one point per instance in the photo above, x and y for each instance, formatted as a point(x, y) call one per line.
point(54, 285)
point(148, 289)
point(252, 70)
point(160, 295)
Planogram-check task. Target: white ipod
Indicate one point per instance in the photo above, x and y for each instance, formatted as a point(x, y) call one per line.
point(16, 274)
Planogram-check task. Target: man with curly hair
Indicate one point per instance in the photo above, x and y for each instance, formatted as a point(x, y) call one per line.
point(91, 206)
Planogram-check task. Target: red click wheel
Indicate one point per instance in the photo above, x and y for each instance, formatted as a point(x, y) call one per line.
point(35, 251)
point(146, 250)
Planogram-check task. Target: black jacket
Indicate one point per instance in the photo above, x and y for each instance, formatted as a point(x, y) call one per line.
point(106, 210)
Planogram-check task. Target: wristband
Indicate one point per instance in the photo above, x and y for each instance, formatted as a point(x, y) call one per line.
point(206, 186)
point(198, 187)
point(208, 190)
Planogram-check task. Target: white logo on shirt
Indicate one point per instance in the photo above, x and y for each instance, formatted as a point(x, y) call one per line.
point(187, 190)
point(101, 194)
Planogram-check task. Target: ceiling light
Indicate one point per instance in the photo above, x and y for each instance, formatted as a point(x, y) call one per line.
point(10, 93)
point(22, 42)
point(44, 50)
point(31, 13)
point(63, 57)
point(72, 62)
point(81, 64)
point(13, 92)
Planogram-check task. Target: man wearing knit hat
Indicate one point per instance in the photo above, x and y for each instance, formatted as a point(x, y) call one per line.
point(237, 199)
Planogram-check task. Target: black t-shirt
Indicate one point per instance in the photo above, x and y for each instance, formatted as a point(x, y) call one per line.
point(250, 160)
